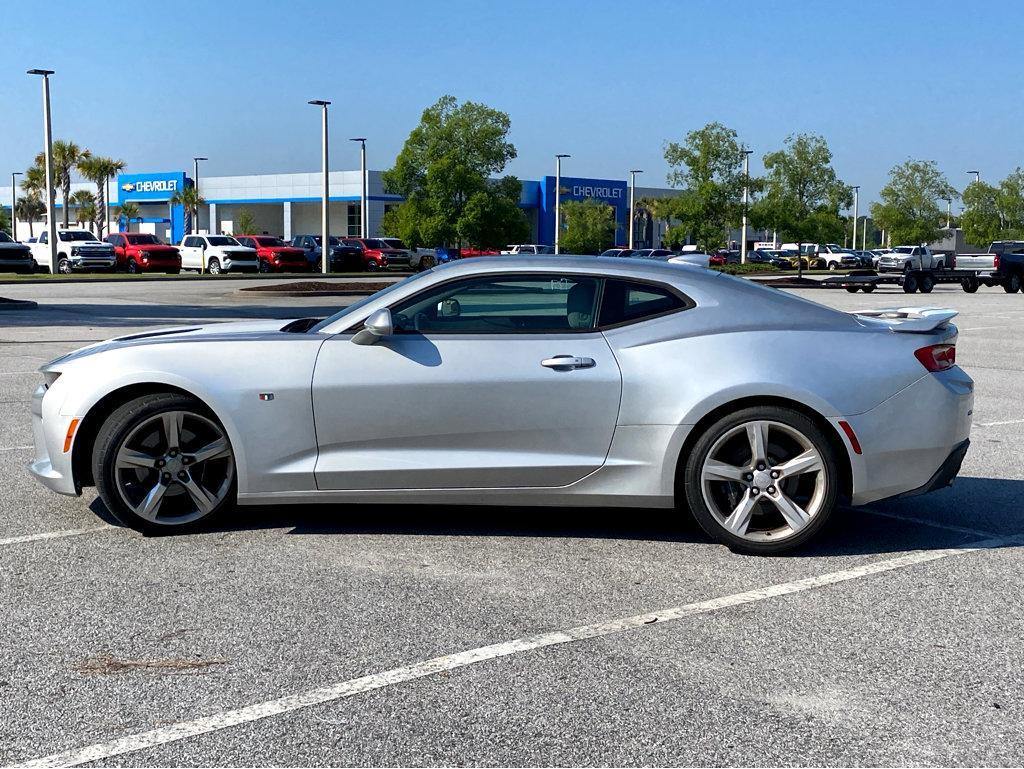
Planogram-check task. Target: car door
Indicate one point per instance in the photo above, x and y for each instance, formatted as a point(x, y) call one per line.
point(118, 242)
point(486, 382)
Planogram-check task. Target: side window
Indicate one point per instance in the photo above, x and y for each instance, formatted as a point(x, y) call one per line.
point(502, 305)
point(245, 242)
point(625, 301)
point(43, 237)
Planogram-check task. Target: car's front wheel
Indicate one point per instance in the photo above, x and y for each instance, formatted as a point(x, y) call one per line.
point(64, 266)
point(1012, 284)
point(214, 267)
point(163, 463)
point(762, 480)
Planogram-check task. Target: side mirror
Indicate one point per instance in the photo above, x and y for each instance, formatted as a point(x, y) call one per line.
point(375, 328)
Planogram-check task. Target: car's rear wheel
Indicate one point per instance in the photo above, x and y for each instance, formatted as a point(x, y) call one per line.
point(1012, 284)
point(762, 480)
point(970, 285)
point(163, 463)
point(927, 284)
point(910, 284)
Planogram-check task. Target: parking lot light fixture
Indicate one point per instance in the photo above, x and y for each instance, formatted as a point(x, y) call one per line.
point(632, 203)
point(364, 207)
point(195, 181)
point(51, 217)
point(325, 216)
point(14, 203)
point(558, 196)
point(746, 198)
point(856, 202)
point(977, 175)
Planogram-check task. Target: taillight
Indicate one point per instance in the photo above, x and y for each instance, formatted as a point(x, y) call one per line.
point(995, 262)
point(937, 357)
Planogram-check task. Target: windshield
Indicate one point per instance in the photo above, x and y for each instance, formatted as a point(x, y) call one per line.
point(5, 238)
point(393, 243)
point(334, 240)
point(222, 240)
point(75, 235)
point(356, 306)
point(270, 241)
point(375, 243)
point(903, 250)
point(144, 240)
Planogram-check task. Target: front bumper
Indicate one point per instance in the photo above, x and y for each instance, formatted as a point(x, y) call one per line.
point(91, 263)
point(237, 265)
point(51, 465)
point(11, 263)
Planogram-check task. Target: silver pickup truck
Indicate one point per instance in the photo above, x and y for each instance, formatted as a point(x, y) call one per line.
point(987, 262)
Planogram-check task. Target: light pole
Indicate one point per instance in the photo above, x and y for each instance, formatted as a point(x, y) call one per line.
point(856, 204)
point(949, 213)
point(632, 204)
point(14, 204)
point(364, 206)
point(195, 181)
point(746, 194)
point(558, 197)
point(977, 175)
point(325, 216)
point(51, 219)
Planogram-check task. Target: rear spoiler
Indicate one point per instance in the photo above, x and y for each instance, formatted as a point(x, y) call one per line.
point(912, 320)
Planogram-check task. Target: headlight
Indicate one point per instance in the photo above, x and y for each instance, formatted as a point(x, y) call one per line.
point(74, 250)
point(144, 254)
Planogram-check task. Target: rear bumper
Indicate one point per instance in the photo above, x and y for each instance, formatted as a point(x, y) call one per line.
point(911, 440)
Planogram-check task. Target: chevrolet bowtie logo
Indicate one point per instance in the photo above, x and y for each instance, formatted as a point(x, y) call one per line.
point(127, 186)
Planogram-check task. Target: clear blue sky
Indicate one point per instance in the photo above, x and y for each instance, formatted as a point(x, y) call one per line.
point(608, 82)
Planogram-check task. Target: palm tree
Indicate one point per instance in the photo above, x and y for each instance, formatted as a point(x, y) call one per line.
point(190, 199)
point(29, 208)
point(129, 211)
point(66, 156)
point(100, 170)
point(85, 206)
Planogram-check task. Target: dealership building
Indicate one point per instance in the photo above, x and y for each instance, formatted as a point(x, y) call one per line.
point(289, 204)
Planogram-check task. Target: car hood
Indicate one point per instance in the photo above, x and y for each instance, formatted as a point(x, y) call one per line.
point(240, 251)
point(213, 332)
point(286, 250)
point(154, 248)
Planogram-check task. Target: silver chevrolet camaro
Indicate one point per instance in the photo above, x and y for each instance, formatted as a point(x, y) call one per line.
point(521, 381)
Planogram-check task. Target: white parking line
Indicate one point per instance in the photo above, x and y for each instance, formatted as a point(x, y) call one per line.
point(226, 719)
point(54, 534)
point(15, 448)
point(933, 524)
point(999, 424)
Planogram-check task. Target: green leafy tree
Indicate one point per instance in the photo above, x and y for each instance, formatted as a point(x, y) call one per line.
point(66, 157)
point(981, 221)
point(246, 222)
point(190, 199)
point(30, 208)
point(492, 218)
point(802, 194)
point(708, 163)
point(912, 206)
point(445, 163)
point(589, 227)
point(5, 221)
point(100, 170)
point(84, 203)
point(129, 211)
point(1010, 201)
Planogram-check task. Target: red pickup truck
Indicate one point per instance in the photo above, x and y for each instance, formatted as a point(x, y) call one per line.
point(142, 252)
point(274, 254)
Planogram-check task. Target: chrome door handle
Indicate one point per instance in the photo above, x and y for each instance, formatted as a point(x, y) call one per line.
point(567, 362)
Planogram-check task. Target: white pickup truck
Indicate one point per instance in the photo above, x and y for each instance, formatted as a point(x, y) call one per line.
point(216, 254)
point(908, 258)
point(77, 250)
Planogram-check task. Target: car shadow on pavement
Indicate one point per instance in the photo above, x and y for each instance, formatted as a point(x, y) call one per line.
point(986, 506)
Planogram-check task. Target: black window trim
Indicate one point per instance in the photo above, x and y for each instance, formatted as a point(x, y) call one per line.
point(602, 278)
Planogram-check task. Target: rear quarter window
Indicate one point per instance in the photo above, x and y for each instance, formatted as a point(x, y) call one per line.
point(627, 301)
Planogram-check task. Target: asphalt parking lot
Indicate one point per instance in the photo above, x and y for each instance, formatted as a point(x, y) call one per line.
point(291, 636)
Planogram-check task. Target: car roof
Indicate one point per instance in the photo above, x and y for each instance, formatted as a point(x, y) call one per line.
point(628, 268)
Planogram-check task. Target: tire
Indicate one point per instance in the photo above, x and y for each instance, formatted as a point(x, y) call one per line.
point(155, 483)
point(63, 266)
point(428, 262)
point(213, 267)
point(1012, 284)
point(832, 266)
point(970, 285)
point(372, 267)
point(133, 268)
point(264, 265)
point(852, 289)
point(779, 514)
point(907, 268)
point(868, 288)
point(910, 284)
point(927, 284)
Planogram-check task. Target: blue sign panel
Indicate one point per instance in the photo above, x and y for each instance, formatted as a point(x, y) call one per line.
point(155, 188)
point(612, 192)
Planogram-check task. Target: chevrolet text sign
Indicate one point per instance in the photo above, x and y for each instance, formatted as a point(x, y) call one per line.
point(610, 191)
point(149, 187)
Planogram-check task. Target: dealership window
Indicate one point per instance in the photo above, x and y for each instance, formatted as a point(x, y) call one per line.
point(354, 221)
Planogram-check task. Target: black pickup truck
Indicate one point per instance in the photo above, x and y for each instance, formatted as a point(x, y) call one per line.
point(1002, 265)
